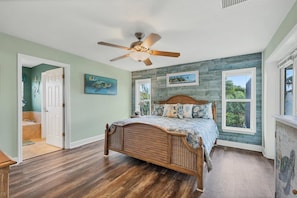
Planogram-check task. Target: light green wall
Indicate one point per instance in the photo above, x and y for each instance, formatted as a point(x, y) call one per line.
point(89, 113)
point(286, 26)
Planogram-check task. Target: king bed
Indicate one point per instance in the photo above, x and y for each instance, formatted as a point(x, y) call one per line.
point(179, 136)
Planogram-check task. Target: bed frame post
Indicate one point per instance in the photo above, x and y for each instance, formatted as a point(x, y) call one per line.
point(200, 161)
point(106, 151)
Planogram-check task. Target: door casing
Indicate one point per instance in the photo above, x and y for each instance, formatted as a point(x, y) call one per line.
point(22, 59)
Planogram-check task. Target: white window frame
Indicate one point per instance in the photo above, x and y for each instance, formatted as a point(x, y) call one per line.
point(282, 71)
point(240, 72)
point(137, 95)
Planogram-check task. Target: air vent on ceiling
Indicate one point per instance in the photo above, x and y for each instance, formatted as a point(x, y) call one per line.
point(228, 3)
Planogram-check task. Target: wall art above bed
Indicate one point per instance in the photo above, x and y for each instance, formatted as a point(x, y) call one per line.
point(182, 79)
point(100, 85)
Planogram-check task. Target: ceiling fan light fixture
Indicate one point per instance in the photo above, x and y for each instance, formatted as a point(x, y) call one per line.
point(140, 50)
point(139, 56)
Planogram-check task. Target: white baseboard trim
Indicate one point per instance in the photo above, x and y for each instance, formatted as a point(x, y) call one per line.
point(86, 141)
point(17, 161)
point(239, 145)
point(268, 155)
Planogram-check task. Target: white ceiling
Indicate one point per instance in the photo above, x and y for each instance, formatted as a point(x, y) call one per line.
point(198, 29)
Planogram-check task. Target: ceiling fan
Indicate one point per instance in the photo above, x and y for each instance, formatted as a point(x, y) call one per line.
point(140, 50)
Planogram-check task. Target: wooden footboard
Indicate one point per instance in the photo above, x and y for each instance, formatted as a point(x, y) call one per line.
point(158, 146)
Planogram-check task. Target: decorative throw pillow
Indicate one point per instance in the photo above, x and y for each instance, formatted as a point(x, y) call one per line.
point(202, 111)
point(180, 111)
point(170, 110)
point(187, 110)
point(158, 109)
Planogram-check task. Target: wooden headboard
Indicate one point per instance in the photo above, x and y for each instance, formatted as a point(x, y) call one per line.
point(183, 99)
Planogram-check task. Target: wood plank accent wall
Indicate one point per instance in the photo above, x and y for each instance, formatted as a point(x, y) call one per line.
point(209, 88)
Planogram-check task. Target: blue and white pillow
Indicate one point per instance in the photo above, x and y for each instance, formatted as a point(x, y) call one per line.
point(203, 111)
point(180, 111)
point(158, 109)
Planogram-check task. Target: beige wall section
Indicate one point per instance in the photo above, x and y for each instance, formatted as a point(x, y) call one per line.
point(89, 113)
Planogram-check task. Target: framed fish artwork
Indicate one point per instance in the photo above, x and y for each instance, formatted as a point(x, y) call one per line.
point(100, 85)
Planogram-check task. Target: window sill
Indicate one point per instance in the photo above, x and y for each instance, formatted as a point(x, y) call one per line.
point(240, 131)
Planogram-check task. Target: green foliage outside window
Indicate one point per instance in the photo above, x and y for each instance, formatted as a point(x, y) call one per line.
point(144, 108)
point(144, 99)
point(234, 91)
point(235, 111)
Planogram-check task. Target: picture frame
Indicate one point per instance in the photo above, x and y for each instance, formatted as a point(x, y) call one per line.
point(99, 85)
point(182, 79)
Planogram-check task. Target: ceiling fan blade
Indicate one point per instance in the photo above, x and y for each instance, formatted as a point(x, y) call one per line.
point(147, 62)
point(163, 53)
point(150, 40)
point(120, 57)
point(113, 45)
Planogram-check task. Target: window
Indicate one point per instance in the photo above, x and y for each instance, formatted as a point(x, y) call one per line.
point(239, 101)
point(143, 96)
point(288, 88)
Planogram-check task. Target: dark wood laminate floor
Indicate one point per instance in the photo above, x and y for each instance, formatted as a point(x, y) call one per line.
point(85, 172)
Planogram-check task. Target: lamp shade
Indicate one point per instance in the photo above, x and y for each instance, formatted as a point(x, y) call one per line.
point(139, 56)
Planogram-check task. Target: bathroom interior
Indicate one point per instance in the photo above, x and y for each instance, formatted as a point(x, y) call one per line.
point(34, 141)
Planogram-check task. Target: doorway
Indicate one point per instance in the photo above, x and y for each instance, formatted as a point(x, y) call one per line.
point(41, 144)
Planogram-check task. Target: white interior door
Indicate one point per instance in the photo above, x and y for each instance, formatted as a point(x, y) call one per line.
point(54, 111)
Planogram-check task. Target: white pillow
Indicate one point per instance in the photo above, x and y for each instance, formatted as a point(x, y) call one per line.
point(170, 110)
point(187, 110)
